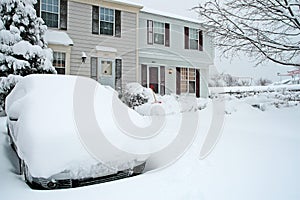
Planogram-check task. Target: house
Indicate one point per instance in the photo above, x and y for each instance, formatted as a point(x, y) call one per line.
point(95, 39)
point(174, 54)
point(116, 42)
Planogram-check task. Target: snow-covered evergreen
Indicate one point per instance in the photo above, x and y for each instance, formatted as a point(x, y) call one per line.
point(23, 49)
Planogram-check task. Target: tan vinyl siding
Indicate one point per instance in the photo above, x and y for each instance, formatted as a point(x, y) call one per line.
point(80, 30)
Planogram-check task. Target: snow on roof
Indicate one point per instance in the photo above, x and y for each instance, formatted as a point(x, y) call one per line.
point(126, 2)
point(58, 37)
point(106, 49)
point(170, 15)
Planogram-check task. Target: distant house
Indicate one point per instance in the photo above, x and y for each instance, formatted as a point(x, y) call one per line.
point(174, 53)
point(115, 42)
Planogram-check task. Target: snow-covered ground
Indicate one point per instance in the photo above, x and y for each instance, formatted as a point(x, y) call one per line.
point(257, 157)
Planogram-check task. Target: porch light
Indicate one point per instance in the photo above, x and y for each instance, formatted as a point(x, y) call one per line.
point(170, 71)
point(83, 57)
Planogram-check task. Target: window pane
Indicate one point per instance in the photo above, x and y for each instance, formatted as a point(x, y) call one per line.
point(106, 28)
point(49, 10)
point(184, 80)
point(192, 87)
point(106, 67)
point(193, 44)
point(59, 62)
point(158, 38)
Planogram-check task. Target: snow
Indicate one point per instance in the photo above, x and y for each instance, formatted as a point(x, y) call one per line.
point(129, 3)
point(37, 102)
point(257, 157)
point(58, 37)
point(169, 15)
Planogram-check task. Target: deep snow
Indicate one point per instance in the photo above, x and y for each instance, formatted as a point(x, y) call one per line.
point(257, 157)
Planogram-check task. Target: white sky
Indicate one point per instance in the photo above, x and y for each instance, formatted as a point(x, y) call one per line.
point(237, 67)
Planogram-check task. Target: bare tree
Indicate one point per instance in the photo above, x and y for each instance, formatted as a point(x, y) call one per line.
point(262, 29)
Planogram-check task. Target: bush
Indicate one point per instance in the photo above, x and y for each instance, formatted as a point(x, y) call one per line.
point(6, 86)
point(135, 95)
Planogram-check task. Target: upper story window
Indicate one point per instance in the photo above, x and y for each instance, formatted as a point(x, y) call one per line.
point(193, 39)
point(53, 12)
point(158, 33)
point(50, 13)
point(106, 21)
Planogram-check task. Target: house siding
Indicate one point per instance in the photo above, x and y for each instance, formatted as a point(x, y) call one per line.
point(80, 30)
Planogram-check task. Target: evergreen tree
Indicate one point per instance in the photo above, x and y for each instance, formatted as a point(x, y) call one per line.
point(23, 50)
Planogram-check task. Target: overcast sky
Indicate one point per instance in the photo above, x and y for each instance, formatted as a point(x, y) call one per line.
point(237, 67)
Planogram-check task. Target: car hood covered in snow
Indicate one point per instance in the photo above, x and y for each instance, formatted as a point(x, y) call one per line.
point(44, 124)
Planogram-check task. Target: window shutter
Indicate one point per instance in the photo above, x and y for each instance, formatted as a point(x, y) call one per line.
point(117, 23)
point(144, 75)
point(178, 80)
point(186, 37)
point(95, 20)
point(37, 8)
point(200, 40)
point(197, 83)
point(94, 67)
point(118, 81)
point(162, 80)
point(63, 14)
point(167, 35)
point(150, 31)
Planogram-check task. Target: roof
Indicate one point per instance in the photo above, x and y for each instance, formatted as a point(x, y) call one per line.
point(170, 15)
point(126, 2)
point(58, 37)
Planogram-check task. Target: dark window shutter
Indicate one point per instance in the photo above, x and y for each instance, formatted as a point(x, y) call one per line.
point(186, 37)
point(162, 80)
point(118, 81)
point(94, 67)
point(167, 35)
point(117, 23)
point(200, 40)
point(197, 83)
point(37, 8)
point(63, 14)
point(95, 20)
point(150, 31)
point(178, 81)
point(144, 75)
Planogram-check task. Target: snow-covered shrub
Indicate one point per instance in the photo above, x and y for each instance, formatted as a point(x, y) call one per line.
point(135, 95)
point(23, 49)
point(6, 86)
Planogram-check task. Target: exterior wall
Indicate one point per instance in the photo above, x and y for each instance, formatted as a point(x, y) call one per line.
point(80, 31)
point(175, 55)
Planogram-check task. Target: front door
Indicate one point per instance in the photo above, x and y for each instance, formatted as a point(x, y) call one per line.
point(106, 72)
point(153, 79)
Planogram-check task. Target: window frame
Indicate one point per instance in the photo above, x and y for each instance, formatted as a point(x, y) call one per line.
point(113, 21)
point(162, 29)
point(186, 79)
point(64, 60)
point(58, 13)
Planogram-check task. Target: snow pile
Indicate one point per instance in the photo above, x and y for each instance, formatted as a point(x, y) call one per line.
point(58, 37)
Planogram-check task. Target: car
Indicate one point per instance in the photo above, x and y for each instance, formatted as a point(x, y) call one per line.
point(44, 127)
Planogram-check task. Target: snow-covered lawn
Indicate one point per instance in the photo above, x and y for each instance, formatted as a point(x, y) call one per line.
point(257, 157)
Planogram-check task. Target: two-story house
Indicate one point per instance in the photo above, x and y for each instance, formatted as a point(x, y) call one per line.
point(115, 42)
point(93, 38)
point(174, 54)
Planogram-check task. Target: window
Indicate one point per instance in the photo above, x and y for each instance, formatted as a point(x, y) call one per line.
point(193, 39)
point(106, 21)
point(50, 12)
point(158, 33)
point(59, 62)
point(188, 80)
point(106, 67)
point(107, 18)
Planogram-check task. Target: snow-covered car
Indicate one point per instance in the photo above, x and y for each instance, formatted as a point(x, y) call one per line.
point(46, 135)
